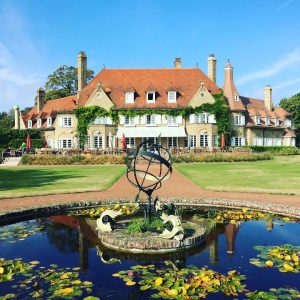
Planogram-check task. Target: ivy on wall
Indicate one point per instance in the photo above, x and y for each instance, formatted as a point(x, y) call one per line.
point(86, 115)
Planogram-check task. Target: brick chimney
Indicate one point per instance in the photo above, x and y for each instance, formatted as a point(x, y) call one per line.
point(212, 67)
point(268, 98)
point(177, 63)
point(40, 99)
point(81, 64)
point(17, 117)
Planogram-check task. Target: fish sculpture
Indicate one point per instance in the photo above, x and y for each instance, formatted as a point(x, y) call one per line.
point(177, 231)
point(106, 219)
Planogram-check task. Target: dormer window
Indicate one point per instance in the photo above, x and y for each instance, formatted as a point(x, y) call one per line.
point(30, 124)
point(288, 122)
point(151, 97)
point(267, 120)
point(236, 97)
point(257, 119)
point(172, 97)
point(129, 97)
point(49, 122)
point(276, 121)
point(39, 123)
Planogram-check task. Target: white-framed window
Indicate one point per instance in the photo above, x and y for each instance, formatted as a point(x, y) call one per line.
point(100, 121)
point(191, 141)
point(257, 120)
point(204, 140)
point(39, 123)
point(215, 140)
point(172, 120)
point(67, 121)
point(237, 120)
point(202, 118)
point(151, 141)
point(129, 121)
point(236, 97)
point(150, 97)
point(277, 121)
point(88, 142)
point(130, 142)
point(267, 120)
point(172, 96)
point(129, 97)
point(49, 122)
point(98, 141)
point(172, 142)
point(258, 141)
point(65, 143)
point(29, 124)
point(288, 122)
point(150, 120)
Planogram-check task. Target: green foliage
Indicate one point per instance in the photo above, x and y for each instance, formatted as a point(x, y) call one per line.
point(281, 293)
point(72, 160)
point(35, 143)
point(139, 225)
point(86, 115)
point(63, 82)
point(7, 120)
point(292, 105)
point(279, 150)
point(186, 283)
point(221, 157)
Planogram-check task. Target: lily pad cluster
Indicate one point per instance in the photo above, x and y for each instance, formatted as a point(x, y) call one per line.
point(281, 293)
point(20, 231)
point(285, 258)
point(187, 283)
point(43, 283)
point(127, 209)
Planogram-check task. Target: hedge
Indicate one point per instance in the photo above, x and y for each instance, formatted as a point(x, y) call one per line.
point(279, 150)
point(35, 143)
point(221, 157)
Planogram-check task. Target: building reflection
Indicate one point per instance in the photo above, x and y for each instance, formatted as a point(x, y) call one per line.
point(231, 231)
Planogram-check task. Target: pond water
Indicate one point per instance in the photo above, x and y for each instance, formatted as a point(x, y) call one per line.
point(64, 259)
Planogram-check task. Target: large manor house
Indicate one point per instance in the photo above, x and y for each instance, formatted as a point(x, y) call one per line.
point(254, 121)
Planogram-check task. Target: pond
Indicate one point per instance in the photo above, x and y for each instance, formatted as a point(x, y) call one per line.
point(60, 257)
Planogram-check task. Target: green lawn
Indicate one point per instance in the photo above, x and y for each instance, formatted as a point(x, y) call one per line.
point(281, 175)
point(36, 180)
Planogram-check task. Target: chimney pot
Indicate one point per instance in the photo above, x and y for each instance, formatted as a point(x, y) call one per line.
point(212, 68)
point(177, 63)
point(268, 97)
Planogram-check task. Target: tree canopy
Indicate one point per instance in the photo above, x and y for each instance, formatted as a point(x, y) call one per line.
point(7, 120)
point(63, 82)
point(292, 105)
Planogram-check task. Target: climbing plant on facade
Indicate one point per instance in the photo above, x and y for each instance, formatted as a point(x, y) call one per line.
point(86, 115)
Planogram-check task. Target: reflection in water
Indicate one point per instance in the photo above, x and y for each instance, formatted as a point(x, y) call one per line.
point(269, 225)
point(231, 231)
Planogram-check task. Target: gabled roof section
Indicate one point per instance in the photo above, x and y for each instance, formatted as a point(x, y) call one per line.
point(186, 80)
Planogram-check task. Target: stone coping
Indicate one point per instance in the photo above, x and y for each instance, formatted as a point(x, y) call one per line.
point(47, 210)
point(150, 242)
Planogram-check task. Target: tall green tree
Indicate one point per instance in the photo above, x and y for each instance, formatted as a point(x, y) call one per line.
point(63, 82)
point(292, 105)
point(7, 120)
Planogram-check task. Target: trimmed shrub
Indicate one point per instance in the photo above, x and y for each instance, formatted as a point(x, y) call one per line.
point(72, 160)
point(221, 157)
point(279, 150)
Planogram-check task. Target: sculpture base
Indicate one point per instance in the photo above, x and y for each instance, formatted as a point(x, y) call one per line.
point(149, 242)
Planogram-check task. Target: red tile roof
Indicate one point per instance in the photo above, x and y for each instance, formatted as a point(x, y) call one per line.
point(185, 80)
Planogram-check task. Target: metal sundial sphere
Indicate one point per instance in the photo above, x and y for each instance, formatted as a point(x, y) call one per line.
point(147, 167)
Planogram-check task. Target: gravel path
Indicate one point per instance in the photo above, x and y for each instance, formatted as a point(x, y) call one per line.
point(177, 186)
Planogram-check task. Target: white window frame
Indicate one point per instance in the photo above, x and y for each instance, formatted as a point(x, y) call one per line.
point(172, 142)
point(100, 121)
point(65, 143)
point(257, 120)
point(29, 124)
point(97, 142)
point(172, 96)
point(277, 123)
point(215, 140)
point(67, 122)
point(49, 122)
point(130, 142)
point(39, 123)
point(287, 122)
point(192, 140)
point(236, 98)
point(204, 140)
point(129, 121)
point(268, 120)
point(150, 120)
point(237, 120)
point(151, 100)
point(129, 97)
point(88, 142)
point(172, 120)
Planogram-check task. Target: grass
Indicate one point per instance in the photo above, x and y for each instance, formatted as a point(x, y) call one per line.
point(37, 180)
point(278, 176)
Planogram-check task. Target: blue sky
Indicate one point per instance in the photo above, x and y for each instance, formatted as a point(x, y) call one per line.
point(261, 38)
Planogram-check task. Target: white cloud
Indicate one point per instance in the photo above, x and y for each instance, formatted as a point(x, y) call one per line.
point(284, 4)
point(287, 61)
point(20, 73)
point(286, 83)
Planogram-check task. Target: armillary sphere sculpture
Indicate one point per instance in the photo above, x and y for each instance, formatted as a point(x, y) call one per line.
point(147, 167)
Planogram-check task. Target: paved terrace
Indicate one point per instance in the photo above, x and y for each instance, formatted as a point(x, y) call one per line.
point(178, 189)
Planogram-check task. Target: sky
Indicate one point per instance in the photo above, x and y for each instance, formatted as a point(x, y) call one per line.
point(260, 37)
